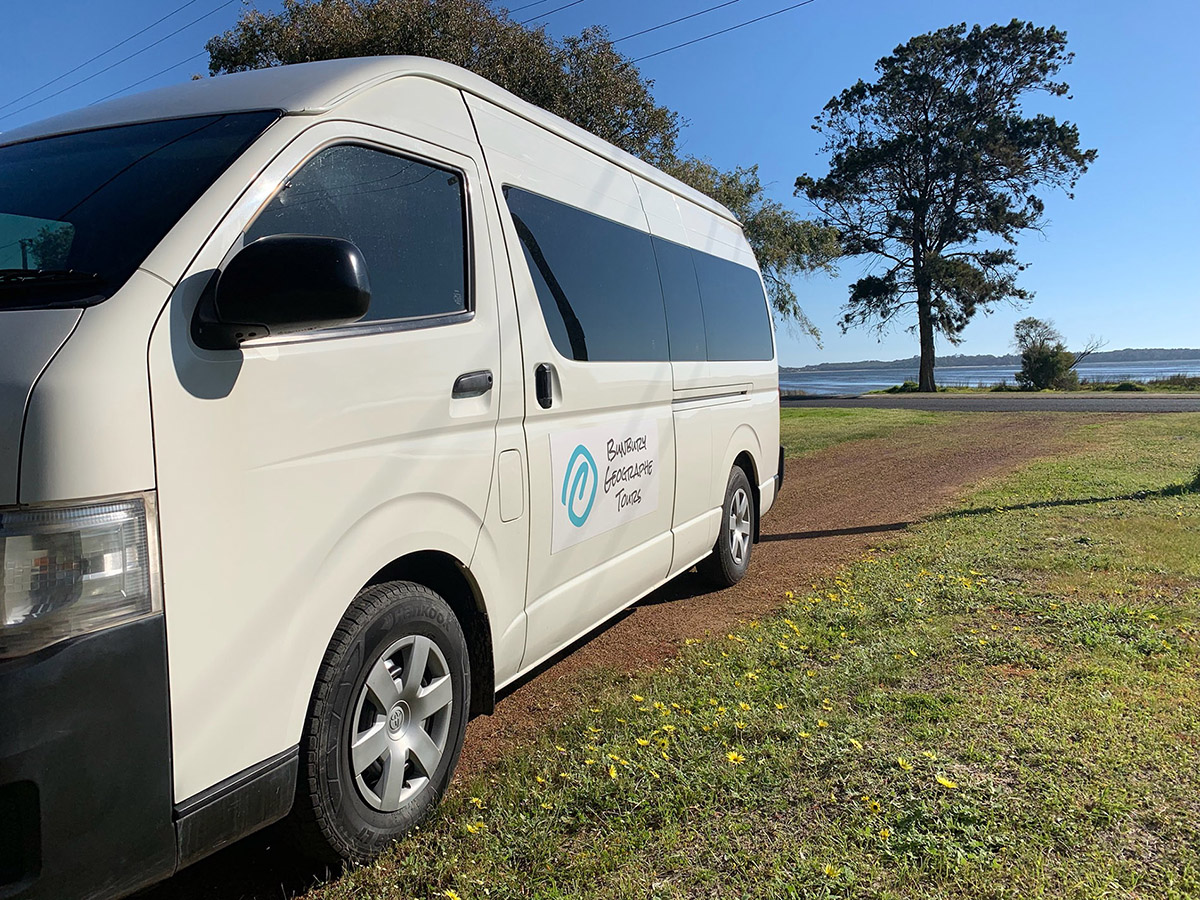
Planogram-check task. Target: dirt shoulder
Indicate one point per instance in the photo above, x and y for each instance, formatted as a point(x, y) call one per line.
point(835, 504)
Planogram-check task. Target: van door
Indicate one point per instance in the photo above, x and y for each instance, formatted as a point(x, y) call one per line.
point(293, 469)
point(598, 378)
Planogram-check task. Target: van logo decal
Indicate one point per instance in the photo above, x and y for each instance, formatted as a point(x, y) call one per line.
point(580, 481)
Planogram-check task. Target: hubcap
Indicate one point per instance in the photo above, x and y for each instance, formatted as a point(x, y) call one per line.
point(739, 527)
point(401, 722)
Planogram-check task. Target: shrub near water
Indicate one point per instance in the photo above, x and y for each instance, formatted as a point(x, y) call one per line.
point(1003, 705)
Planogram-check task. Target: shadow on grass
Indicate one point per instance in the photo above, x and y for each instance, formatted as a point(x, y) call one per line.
point(1174, 490)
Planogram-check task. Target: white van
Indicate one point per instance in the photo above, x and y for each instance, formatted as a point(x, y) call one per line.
point(334, 398)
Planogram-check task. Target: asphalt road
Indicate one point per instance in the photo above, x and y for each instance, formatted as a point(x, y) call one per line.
point(1083, 401)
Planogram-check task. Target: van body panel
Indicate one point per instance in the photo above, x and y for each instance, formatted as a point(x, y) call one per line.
point(322, 459)
point(583, 583)
point(101, 437)
point(28, 341)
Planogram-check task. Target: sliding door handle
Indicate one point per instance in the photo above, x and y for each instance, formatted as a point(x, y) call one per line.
point(472, 384)
point(543, 385)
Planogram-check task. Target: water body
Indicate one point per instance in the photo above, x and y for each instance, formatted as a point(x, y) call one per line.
point(859, 381)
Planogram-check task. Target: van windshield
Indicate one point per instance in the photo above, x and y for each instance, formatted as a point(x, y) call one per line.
point(80, 212)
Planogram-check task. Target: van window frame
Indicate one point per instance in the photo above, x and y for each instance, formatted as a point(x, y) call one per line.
point(504, 187)
point(379, 326)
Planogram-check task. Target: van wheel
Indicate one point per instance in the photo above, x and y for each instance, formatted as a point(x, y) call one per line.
point(385, 724)
point(730, 559)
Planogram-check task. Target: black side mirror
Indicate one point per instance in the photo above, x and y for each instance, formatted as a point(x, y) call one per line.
point(282, 284)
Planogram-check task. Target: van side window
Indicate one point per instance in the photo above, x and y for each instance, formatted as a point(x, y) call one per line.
point(681, 292)
point(596, 280)
point(736, 322)
point(406, 217)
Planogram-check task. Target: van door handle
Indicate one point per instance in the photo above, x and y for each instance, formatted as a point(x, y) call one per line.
point(542, 385)
point(472, 384)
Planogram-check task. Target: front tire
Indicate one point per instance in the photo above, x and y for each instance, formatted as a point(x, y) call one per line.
point(385, 725)
point(730, 559)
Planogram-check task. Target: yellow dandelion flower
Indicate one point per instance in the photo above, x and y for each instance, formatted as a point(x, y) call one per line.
point(654, 775)
point(734, 757)
point(560, 749)
point(642, 742)
point(476, 801)
point(781, 706)
point(831, 870)
point(668, 728)
point(739, 725)
point(873, 806)
point(904, 764)
point(476, 827)
point(665, 755)
point(539, 779)
point(946, 782)
point(565, 775)
point(789, 595)
point(805, 734)
point(855, 744)
point(743, 705)
point(589, 762)
point(885, 833)
point(547, 806)
point(821, 723)
point(451, 894)
point(637, 698)
point(929, 754)
point(612, 772)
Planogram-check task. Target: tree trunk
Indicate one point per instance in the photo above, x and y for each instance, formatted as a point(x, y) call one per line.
point(925, 381)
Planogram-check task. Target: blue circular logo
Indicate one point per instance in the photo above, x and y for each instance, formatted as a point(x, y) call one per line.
point(580, 483)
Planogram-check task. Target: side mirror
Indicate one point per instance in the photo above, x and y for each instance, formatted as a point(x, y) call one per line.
point(282, 284)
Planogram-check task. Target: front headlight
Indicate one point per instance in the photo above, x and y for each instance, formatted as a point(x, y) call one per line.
point(70, 570)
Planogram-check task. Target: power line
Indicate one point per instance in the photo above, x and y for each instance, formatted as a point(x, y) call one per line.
point(551, 12)
point(676, 21)
point(123, 59)
point(88, 62)
point(527, 5)
point(130, 87)
point(724, 30)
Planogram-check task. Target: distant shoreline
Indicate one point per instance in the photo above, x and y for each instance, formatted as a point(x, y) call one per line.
point(960, 360)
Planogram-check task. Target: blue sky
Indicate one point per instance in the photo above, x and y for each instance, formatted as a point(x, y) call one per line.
point(1117, 261)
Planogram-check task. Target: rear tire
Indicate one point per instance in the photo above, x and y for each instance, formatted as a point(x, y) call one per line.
point(730, 559)
point(385, 724)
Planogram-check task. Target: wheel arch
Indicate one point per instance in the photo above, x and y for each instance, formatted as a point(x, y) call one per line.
point(453, 581)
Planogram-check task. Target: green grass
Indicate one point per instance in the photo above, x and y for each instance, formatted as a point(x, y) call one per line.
point(803, 431)
point(1001, 704)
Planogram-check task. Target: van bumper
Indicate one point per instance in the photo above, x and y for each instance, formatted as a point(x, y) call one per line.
point(85, 777)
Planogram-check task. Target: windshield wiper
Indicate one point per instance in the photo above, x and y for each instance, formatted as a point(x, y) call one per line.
point(18, 277)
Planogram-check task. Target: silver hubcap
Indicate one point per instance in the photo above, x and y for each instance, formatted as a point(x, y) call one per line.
point(739, 527)
point(401, 723)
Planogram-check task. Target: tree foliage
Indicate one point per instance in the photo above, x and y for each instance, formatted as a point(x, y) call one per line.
point(1045, 360)
point(582, 78)
point(935, 160)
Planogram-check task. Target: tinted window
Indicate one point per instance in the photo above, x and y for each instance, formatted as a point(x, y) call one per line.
point(407, 218)
point(97, 202)
point(736, 322)
point(681, 293)
point(596, 280)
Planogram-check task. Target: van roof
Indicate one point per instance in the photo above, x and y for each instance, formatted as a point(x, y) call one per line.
point(317, 87)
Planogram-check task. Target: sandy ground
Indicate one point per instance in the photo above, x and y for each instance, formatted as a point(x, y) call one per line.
point(835, 504)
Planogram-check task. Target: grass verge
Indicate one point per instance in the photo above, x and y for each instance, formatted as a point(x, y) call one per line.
point(1001, 704)
point(803, 431)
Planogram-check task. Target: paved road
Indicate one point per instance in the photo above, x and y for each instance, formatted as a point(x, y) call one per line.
point(1084, 401)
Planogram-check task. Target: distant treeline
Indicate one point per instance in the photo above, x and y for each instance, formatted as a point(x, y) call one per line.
point(985, 359)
